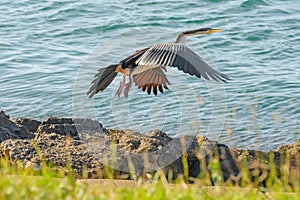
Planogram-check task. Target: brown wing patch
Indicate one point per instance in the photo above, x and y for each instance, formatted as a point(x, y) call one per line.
point(152, 79)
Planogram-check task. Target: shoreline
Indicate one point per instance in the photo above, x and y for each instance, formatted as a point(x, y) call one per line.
point(59, 142)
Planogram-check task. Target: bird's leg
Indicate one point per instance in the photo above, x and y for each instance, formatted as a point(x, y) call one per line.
point(122, 84)
point(128, 85)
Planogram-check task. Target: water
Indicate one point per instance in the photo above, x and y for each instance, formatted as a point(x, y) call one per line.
point(50, 51)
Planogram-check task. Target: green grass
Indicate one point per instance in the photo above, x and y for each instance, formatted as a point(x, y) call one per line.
point(19, 183)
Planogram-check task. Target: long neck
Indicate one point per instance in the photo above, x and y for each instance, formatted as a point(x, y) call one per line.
point(180, 38)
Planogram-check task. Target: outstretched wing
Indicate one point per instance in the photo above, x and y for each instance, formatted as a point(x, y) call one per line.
point(150, 78)
point(180, 56)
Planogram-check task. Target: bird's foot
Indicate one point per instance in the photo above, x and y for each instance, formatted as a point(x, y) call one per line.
point(127, 88)
point(120, 89)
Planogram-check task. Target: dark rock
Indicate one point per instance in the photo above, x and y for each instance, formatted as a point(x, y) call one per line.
point(55, 150)
point(133, 144)
point(11, 130)
point(87, 147)
point(66, 126)
point(56, 120)
point(60, 129)
point(158, 134)
point(30, 124)
point(2, 114)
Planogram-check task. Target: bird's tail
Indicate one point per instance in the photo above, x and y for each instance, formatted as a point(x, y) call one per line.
point(102, 79)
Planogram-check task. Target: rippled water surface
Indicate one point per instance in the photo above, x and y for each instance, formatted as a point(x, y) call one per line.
point(50, 50)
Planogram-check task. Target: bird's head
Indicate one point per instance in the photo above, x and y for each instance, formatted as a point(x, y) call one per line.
point(201, 31)
point(181, 36)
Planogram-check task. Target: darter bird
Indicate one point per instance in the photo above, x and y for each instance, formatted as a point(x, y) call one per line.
point(147, 67)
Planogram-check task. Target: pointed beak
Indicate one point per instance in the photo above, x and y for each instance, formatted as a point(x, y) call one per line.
point(215, 30)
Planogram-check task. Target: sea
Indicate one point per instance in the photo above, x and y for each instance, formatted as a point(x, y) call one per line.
point(50, 51)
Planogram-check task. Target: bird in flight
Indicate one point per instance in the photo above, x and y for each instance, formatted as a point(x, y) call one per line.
point(147, 67)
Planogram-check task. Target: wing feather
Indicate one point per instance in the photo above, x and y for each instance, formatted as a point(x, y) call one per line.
point(151, 79)
point(180, 56)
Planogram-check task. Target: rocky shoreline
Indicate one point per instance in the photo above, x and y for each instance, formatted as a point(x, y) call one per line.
point(92, 151)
